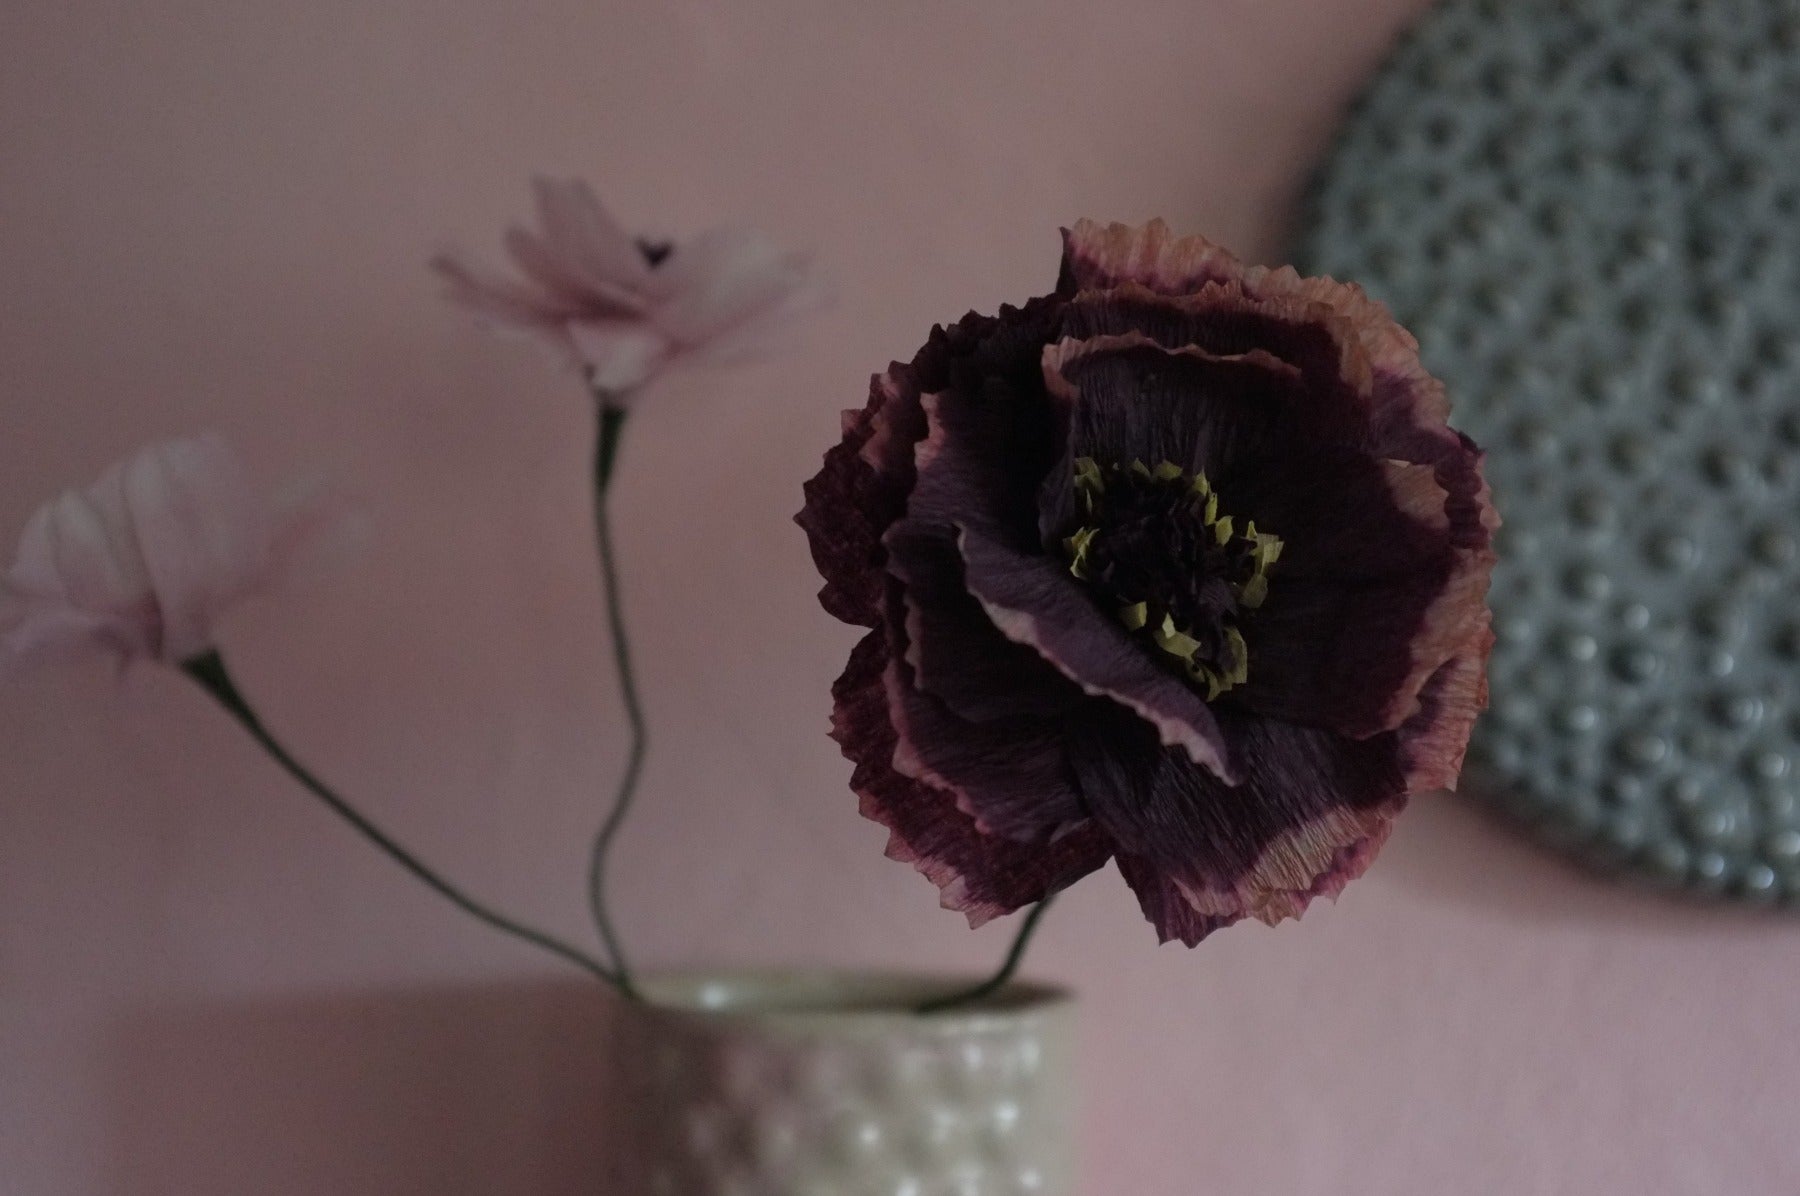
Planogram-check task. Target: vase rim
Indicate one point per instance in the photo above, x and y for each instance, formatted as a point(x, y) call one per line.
point(845, 1000)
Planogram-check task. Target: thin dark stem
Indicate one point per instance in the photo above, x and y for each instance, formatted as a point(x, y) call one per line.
point(209, 670)
point(612, 424)
point(1003, 977)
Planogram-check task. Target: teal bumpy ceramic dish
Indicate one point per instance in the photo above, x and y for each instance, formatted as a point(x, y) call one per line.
point(1590, 215)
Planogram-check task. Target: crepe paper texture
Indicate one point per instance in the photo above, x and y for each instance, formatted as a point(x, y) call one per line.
point(1180, 565)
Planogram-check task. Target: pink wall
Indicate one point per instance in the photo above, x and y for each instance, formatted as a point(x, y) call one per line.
point(216, 213)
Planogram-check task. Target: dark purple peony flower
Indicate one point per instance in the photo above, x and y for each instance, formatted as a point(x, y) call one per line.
point(1180, 565)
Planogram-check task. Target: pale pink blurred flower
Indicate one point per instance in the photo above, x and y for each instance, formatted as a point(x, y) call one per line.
point(142, 562)
point(620, 309)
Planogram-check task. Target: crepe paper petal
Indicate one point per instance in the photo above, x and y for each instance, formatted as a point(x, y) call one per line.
point(1295, 827)
point(145, 561)
point(1181, 564)
point(622, 309)
point(979, 875)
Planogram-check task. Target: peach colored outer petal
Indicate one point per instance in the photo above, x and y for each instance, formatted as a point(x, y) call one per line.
point(1448, 688)
point(1317, 859)
point(1217, 297)
point(1098, 257)
point(1320, 858)
point(1435, 740)
point(1457, 616)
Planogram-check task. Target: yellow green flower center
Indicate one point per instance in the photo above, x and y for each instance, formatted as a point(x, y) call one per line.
point(1154, 545)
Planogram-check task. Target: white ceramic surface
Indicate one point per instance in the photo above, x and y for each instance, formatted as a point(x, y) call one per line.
point(822, 1084)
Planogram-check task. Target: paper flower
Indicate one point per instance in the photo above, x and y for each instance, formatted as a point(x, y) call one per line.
point(1180, 565)
point(620, 309)
point(143, 561)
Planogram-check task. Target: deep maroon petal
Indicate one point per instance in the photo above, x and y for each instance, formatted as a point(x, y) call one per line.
point(1133, 400)
point(1434, 740)
point(1371, 597)
point(1385, 569)
point(1360, 367)
point(1010, 774)
point(866, 478)
point(1250, 422)
point(1225, 322)
point(1306, 818)
point(1008, 728)
point(859, 493)
point(982, 876)
point(1167, 907)
point(1221, 321)
point(954, 650)
point(1348, 517)
point(1411, 423)
point(968, 483)
point(1409, 409)
point(1032, 601)
point(1164, 905)
point(844, 543)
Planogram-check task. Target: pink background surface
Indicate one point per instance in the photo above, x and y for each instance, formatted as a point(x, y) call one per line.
point(216, 214)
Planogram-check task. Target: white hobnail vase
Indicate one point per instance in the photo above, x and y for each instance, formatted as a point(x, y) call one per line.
point(825, 1084)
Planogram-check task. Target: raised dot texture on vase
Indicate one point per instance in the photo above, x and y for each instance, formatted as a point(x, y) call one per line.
point(1590, 214)
point(918, 1106)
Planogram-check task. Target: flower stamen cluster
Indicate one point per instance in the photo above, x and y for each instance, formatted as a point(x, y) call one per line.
point(1154, 545)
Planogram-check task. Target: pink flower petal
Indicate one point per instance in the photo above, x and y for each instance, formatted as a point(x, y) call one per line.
point(758, 333)
point(581, 298)
point(142, 562)
point(620, 355)
point(582, 233)
point(204, 533)
point(38, 633)
point(729, 280)
point(591, 293)
point(494, 299)
point(78, 575)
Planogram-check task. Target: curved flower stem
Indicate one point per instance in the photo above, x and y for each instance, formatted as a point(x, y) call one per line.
point(209, 670)
point(1000, 979)
point(612, 426)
